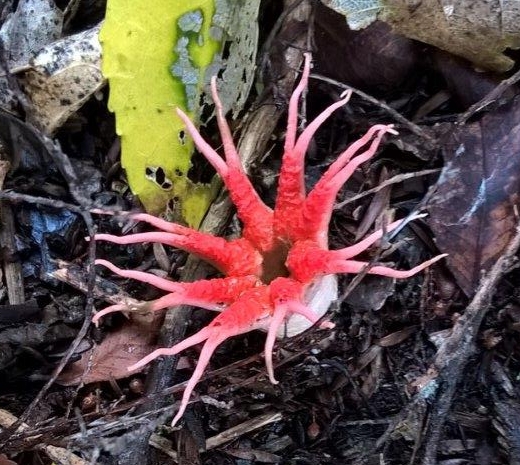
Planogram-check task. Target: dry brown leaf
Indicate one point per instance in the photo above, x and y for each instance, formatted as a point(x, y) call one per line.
point(472, 212)
point(478, 30)
point(368, 357)
point(110, 359)
point(33, 25)
point(467, 85)
point(373, 58)
point(5, 461)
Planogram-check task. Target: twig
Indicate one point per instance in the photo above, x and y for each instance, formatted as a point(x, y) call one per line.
point(12, 266)
point(393, 180)
point(489, 98)
point(74, 276)
point(58, 455)
point(243, 428)
point(16, 197)
point(412, 127)
point(451, 359)
point(456, 350)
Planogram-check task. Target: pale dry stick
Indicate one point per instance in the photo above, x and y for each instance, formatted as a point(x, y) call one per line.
point(164, 445)
point(75, 276)
point(58, 455)
point(489, 98)
point(243, 428)
point(223, 437)
point(393, 180)
point(16, 197)
point(12, 267)
point(425, 134)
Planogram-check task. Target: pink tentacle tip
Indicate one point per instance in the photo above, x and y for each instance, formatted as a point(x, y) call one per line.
point(275, 275)
point(346, 95)
point(326, 324)
point(390, 129)
point(106, 311)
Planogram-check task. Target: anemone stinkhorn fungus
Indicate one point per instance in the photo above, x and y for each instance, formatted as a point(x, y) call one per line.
point(257, 292)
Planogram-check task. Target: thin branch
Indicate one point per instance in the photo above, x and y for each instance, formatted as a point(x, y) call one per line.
point(393, 180)
point(453, 355)
point(489, 98)
point(412, 127)
point(451, 360)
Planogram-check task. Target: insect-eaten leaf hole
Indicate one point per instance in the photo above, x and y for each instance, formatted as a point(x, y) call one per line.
point(182, 137)
point(157, 175)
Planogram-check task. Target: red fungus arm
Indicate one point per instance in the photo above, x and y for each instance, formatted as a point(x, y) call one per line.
point(213, 339)
point(319, 204)
point(234, 258)
point(255, 215)
point(286, 297)
point(291, 183)
point(212, 294)
point(299, 221)
point(307, 259)
point(354, 266)
point(364, 244)
point(250, 311)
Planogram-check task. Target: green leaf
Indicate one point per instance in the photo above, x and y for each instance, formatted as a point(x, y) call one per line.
point(155, 55)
